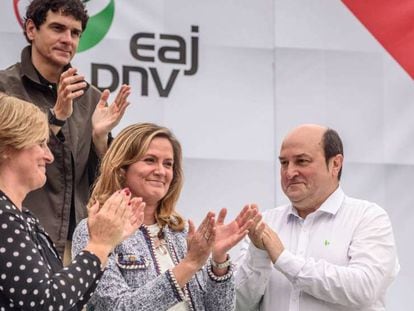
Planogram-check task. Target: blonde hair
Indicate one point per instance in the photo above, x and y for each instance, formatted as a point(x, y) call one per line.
point(21, 123)
point(129, 147)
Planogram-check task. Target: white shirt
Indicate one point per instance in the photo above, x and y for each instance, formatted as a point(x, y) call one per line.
point(340, 257)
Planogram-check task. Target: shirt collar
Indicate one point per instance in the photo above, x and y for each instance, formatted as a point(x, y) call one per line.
point(330, 206)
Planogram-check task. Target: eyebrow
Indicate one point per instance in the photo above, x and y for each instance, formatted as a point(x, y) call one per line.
point(64, 26)
point(153, 155)
point(297, 156)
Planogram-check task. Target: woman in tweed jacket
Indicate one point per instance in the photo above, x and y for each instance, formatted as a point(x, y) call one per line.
point(163, 266)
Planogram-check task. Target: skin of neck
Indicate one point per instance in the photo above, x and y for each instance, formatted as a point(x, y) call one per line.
point(149, 214)
point(310, 207)
point(12, 188)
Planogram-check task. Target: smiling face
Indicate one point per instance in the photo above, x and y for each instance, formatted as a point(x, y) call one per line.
point(56, 40)
point(306, 178)
point(150, 177)
point(29, 165)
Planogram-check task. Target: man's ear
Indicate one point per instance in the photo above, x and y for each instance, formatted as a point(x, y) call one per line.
point(30, 28)
point(336, 164)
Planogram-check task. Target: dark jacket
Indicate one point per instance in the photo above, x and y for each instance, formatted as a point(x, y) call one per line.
point(70, 175)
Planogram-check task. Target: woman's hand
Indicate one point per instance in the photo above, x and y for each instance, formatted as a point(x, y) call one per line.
point(200, 242)
point(109, 225)
point(135, 215)
point(227, 236)
point(199, 245)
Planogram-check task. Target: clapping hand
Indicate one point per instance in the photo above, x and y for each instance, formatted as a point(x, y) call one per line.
point(117, 219)
point(200, 242)
point(256, 229)
point(106, 117)
point(229, 235)
point(70, 86)
point(134, 216)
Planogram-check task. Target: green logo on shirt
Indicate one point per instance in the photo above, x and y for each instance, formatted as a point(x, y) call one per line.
point(326, 242)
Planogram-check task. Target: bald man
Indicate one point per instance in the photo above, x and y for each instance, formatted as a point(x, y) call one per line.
point(324, 250)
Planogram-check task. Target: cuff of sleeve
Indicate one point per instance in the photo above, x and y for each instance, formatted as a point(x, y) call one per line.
point(222, 278)
point(258, 258)
point(289, 264)
point(110, 139)
point(178, 292)
point(59, 137)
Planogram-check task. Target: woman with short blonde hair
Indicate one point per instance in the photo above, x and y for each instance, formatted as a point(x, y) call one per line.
point(31, 273)
point(21, 123)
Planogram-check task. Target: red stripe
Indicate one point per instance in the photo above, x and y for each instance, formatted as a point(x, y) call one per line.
point(391, 22)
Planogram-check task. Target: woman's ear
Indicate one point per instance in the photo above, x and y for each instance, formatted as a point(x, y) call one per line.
point(122, 174)
point(7, 153)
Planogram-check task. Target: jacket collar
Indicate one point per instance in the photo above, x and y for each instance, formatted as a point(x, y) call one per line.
point(28, 70)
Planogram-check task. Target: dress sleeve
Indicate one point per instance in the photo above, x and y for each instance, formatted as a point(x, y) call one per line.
point(220, 291)
point(26, 278)
point(113, 292)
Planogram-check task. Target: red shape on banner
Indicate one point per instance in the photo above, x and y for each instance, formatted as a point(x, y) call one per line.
point(392, 24)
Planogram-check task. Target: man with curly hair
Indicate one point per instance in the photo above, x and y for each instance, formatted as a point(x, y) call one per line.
point(80, 120)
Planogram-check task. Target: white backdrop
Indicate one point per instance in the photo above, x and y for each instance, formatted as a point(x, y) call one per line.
point(264, 67)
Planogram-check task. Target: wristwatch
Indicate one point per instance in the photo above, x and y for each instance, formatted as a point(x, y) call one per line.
point(53, 120)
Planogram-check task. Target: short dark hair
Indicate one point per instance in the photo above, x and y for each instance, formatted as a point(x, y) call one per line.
point(332, 146)
point(38, 9)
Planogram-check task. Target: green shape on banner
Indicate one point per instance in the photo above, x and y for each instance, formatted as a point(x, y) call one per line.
point(97, 28)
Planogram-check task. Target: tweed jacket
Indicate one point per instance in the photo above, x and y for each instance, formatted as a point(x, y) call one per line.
point(75, 164)
point(144, 287)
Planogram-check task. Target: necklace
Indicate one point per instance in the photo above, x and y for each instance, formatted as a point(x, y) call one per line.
point(162, 248)
point(160, 245)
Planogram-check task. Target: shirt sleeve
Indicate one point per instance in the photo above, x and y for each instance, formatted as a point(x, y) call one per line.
point(372, 267)
point(252, 276)
point(26, 279)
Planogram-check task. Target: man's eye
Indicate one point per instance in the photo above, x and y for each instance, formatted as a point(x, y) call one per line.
point(76, 34)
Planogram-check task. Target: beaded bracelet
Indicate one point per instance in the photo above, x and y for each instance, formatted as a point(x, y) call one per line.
point(222, 265)
point(222, 278)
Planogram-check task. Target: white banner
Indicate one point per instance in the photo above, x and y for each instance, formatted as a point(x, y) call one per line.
point(230, 78)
